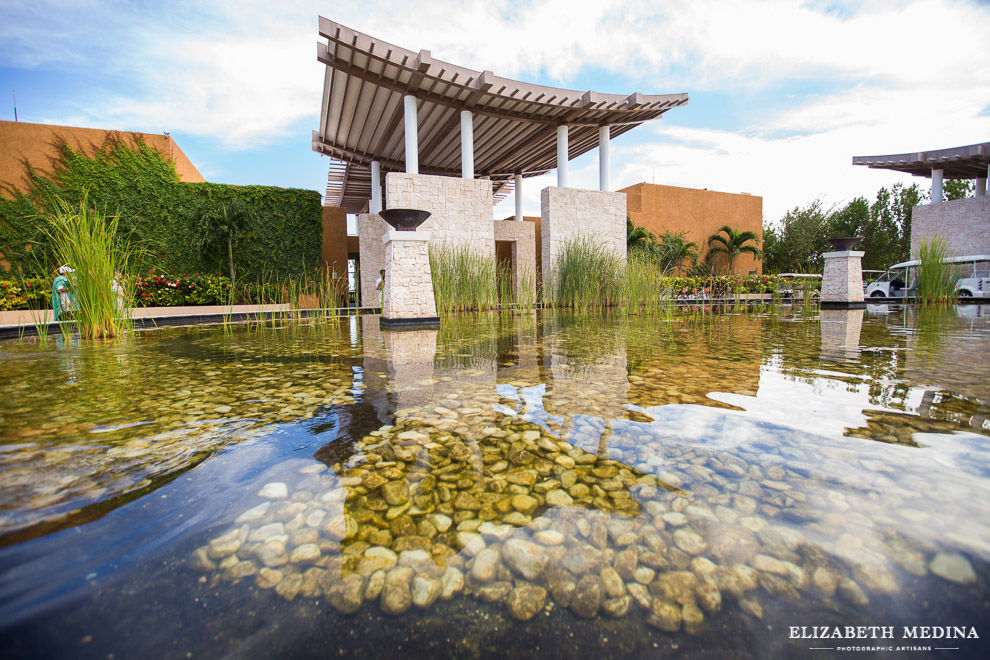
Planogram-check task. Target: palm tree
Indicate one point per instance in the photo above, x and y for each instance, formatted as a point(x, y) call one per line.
point(225, 223)
point(639, 238)
point(675, 248)
point(732, 244)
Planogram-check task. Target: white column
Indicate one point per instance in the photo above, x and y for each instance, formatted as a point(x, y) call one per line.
point(412, 136)
point(467, 144)
point(562, 152)
point(936, 186)
point(518, 188)
point(376, 187)
point(604, 133)
point(981, 184)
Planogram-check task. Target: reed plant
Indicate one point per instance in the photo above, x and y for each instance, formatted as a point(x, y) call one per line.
point(40, 324)
point(463, 280)
point(938, 280)
point(586, 275)
point(525, 293)
point(643, 289)
point(88, 241)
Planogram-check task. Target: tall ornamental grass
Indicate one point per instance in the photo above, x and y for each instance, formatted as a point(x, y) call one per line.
point(87, 240)
point(937, 280)
point(462, 279)
point(586, 275)
point(645, 287)
point(525, 293)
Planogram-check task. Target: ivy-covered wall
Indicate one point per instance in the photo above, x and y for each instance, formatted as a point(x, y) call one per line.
point(159, 215)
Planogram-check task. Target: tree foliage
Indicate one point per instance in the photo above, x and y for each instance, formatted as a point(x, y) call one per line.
point(223, 224)
point(797, 242)
point(953, 189)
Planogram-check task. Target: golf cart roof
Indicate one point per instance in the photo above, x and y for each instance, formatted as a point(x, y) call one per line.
point(950, 260)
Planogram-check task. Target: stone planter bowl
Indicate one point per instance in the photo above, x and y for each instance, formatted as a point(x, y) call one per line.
point(844, 244)
point(404, 219)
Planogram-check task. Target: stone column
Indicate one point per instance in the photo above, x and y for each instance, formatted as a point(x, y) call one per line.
point(467, 144)
point(842, 283)
point(412, 133)
point(604, 133)
point(936, 186)
point(562, 154)
point(408, 299)
point(981, 186)
point(376, 187)
point(518, 195)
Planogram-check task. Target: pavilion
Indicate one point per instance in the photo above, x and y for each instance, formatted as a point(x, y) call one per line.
point(454, 141)
point(964, 223)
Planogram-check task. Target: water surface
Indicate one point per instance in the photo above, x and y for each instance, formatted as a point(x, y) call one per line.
point(527, 485)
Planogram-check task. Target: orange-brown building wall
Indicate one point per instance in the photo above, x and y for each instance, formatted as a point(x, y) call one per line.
point(696, 213)
point(335, 239)
point(35, 144)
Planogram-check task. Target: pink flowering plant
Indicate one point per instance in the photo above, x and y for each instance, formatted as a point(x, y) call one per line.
point(162, 290)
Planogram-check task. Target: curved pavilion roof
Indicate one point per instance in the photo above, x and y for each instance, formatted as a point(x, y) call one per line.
point(515, 123)
point(969, 162)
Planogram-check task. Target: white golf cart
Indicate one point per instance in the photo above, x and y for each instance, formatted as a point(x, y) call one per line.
point(798, 287)
point(901, 280)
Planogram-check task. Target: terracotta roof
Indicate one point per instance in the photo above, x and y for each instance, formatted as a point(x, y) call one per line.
point(514, 122)
point(969, 162)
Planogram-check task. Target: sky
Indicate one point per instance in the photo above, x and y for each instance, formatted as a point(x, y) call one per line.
point(783, 93)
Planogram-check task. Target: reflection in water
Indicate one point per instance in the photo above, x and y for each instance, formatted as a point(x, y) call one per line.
point(746, 471)
point(840, 330)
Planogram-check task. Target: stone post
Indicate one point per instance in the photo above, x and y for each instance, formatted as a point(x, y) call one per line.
point(842, 283)
point(408, 299)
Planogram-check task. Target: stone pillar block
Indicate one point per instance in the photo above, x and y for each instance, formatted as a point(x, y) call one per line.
point(371, 229)
point(842, 282)
point(408, 299)
point(460, 209)
point(572, 213)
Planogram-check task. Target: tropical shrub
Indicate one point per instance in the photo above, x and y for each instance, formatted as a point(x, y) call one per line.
point(159, 290)
point(722, 284)
point(26, 293)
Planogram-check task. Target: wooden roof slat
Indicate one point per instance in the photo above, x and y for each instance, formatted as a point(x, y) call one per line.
point(967, 162)
point(515, 125)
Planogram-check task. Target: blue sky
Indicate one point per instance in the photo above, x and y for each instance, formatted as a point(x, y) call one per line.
point(782, 93)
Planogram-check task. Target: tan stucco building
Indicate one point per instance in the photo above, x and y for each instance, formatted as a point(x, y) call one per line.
point(35, 145)
point(698, 214)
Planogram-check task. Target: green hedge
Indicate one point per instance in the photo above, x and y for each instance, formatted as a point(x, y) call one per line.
point(158, 214)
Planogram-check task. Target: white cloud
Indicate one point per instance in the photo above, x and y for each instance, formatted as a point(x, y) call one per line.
point(891, 76)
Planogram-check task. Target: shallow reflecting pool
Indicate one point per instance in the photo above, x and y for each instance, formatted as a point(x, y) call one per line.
point(745, 484)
